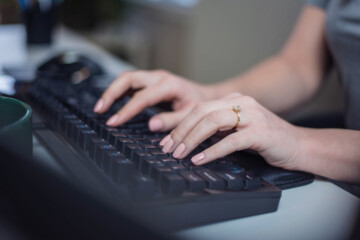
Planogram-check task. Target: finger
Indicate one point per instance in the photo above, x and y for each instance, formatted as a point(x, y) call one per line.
point(190, 121)
point(124, 82)
point(220, 120)
point(167, 120)
point(141, 99)
point(232, 95)
point(240, 140)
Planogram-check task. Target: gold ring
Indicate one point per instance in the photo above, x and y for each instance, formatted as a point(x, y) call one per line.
point(237, 110)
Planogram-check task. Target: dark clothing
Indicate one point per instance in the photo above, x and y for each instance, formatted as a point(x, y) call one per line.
point(343, 38)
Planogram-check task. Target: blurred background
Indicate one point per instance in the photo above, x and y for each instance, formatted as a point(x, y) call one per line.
point(203, 40)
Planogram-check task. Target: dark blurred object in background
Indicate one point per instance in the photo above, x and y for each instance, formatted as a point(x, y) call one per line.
point(9, 12)
point(40, 18)
point(87, 14)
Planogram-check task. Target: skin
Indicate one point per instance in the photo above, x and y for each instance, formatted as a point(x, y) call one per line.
point(284, 81)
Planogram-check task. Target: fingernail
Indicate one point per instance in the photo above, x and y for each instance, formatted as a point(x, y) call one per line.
point(112, 120)
point(168, 145)
point(164, 140)
point(179, 150)
point(198, 157)
point(155, 124)
point(99, 105)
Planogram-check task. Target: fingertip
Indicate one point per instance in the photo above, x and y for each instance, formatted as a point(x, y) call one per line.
point(156, 124)
point(198, 159)
point(113, 120)
point(99, 105)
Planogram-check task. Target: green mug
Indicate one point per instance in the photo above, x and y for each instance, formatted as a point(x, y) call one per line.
point(16, 126)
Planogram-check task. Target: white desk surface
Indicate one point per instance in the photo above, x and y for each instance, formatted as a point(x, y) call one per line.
point(320, 210)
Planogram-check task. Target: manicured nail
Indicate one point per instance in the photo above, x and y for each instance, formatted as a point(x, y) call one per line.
point(168, 145)
point(99, 105)
point(198, 157)
point(164, 140)
point(112, 120)
point(179, 150)
point(156, 124)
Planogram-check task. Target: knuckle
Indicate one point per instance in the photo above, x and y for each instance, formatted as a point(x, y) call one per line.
point(125, 74)
point(212, 151)
point(161, 72)
point(234, 141)
point(248, 100)
point(176, 135)
point(199, 108)
point(214, 117)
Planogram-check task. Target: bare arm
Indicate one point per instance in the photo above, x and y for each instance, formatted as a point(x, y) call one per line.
point(333, 153)
point(294, 74)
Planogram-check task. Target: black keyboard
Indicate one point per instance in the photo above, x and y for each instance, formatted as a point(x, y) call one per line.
point(129, 159)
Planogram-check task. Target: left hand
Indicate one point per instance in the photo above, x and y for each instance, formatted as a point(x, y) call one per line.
point(259, 129)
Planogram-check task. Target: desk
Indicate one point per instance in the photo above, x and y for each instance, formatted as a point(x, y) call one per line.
point(320, 210)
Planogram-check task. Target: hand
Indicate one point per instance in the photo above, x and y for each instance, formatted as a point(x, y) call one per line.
point(259, 129)
point(153, 87)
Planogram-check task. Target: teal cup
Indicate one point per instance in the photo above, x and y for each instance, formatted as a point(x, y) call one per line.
point(16, 126)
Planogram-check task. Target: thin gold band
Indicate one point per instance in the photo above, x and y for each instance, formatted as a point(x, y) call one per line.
point(237, 110)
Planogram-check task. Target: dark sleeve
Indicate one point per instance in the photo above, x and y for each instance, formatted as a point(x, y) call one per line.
point(318, 3)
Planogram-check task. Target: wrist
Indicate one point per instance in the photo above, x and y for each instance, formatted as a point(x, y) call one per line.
point(298, 158)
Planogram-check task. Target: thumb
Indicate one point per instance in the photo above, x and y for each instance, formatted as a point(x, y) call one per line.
point(167, 120)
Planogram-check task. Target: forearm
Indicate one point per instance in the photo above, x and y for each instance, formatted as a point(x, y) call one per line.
point(332, 153)
point(276, 83)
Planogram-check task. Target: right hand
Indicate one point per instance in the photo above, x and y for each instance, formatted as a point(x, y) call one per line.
point(153, 87)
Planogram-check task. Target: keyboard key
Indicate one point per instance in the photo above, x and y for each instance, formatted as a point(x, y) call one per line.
point(158, 171)
point(109, 157)
point(142, 187)
point(77, 130)
point(84, 139)
point(130, 150)
point(93, 146)
point(122, 170)
point(140, 156)
point(251, 181)
point(177, 167)
point(193, 181)
point(148, 165)
point(121, 143)
point(172, 184)
point(212, 181)
point(233, 181)
point(100, 153)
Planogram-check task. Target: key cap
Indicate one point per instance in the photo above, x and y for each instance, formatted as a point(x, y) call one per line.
point(212, 181)
point(84, 139)
point(130, 150)
point(140, 156)
point(148, 165)
point(142, 187)
point(114, 136)
point(93, 146)
point(158, 171)
point(177, 167)
point(106, 131)
point(233, 181)
point(193, 182)
point(172, 184)
point(122, 170)
point(76, 132)
point(251, 181)
point(100, 153)
point(70, 126)
point(109, 157)
point(121, 143)
point(65, 119)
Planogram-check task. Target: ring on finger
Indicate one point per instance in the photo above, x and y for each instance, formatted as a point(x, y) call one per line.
point(237, 110)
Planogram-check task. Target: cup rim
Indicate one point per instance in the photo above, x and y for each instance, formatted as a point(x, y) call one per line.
point(23, 118)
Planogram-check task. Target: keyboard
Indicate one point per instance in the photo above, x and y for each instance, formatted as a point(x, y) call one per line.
point(128, 161)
